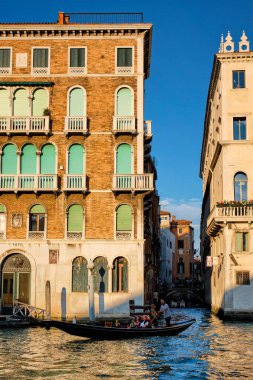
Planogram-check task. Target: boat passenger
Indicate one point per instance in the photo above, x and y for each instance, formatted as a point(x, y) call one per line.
point(145, 322)
point(137, 321)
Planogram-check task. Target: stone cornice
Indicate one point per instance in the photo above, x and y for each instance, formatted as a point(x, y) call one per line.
point(235, 56)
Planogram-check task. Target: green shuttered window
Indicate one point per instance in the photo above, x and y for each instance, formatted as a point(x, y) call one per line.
point(124, 57)
point(124, 218)
point(5, 57)
point(76, 156)
point(124, 102)
point(9, 159)
point(5, 108)
point(28, 159)
point(47, 159)
point(40, 102)
point(77, 106)
point(75, 218)
point(124, 159)
point(21, 103)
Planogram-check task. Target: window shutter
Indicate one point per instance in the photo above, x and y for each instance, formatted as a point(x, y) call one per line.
point(77, 57)
point(124, 57)
point(124, 218)
point(5, 57)
point(47, 159)
point(238, 241)
point(124, 159)
point(124, 102)
point(75, 218)
point(40, 58)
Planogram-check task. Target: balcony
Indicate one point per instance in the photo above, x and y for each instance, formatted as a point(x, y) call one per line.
point(24, 124)
point(219, 216)
point(74, 183)
point(124, 124)
point(28, 182)
point(133, 182)
point(75, 124)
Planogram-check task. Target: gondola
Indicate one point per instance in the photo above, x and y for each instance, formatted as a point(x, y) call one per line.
point(113, 333)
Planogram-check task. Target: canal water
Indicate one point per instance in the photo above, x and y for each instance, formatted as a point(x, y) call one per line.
point(210, 349)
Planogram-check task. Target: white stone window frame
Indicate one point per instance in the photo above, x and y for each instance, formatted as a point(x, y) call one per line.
point(243, 253)
point(7, 70)
point(110, 267)
point(245, 81)
point(66, 222)
point(124, 70)
point(76, 71)
point(46, 69)
point(3, 233)
point(115, 222)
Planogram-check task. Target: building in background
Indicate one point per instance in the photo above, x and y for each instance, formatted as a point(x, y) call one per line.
point(183, 258)
point(77, 180)
point(226, 171)
point(167, 250)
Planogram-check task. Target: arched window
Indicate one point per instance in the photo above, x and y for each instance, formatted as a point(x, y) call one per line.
point(75, 222)
point(75, 159)
point(9, 159)
point(2, 221)
point(79, 275)
point(37, 222)
point(28, 166)
point(47, 159)
point(120, 275)
point(124, 102)
point(77, 102)
point(240, 186)
point(180, 268)
point(100, 275)
point(39, 102)
point(124, 159)
point(21, 103)
point(124, 222)
point(8, 166)
point(5, 109)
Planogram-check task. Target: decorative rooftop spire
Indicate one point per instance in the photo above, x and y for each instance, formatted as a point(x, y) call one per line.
point(244, 43)
point(228, 44)
point(221, 49)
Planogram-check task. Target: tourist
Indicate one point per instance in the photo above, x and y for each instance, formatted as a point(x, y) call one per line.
point(165, 311)
point(137, 321)
point(145, 322)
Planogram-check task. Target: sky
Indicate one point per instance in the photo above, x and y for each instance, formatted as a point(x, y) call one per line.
point(186, 35)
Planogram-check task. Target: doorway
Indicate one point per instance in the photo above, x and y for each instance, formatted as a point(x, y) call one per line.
point(16, 278)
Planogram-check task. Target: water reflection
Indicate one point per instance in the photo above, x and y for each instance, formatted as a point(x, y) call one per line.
point(210, 349)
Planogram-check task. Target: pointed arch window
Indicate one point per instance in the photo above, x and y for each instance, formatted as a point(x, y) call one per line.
point(39, 102)
point(75, 222)
point(124, 225)
point(37, 222)
point(79, 275)
point(240, 186)
point(100, 275)
point(120, 275)
point(21, 103)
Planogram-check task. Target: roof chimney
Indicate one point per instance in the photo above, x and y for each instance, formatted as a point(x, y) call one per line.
point(60, 18)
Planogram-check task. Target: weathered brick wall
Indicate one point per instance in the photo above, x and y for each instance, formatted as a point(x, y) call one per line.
point(100, 148)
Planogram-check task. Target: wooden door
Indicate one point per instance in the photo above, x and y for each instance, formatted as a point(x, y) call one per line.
point(8, 287)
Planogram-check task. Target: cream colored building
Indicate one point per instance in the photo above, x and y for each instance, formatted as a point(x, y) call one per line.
point(74, 178)
point(226, 170)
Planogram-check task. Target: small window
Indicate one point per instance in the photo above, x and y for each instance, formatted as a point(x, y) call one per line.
point(120, 275)
point(242, 241)
point(242, 278)
point(77, 61)
point(124, 60)
point(5, 61)
point(40, 61)
point(79, 275)
point(239, 79)
point(180, 244)
point(37, 222)
point(180, 230)
point(240, 187)
point(239, 128)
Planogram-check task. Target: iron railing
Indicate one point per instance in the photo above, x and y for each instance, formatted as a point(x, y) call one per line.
point(105, 18)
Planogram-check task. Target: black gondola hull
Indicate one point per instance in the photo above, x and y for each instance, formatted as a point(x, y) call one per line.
point(113, 333)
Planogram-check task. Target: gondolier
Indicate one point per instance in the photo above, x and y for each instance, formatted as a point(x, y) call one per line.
point(165, 311)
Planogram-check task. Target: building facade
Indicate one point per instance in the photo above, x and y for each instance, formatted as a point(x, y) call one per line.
point(167, 250)
point(183, 258)
point(73, 183)
point(226, 171)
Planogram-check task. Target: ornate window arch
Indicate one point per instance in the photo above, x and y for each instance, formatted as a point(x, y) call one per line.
point(100, 275)
point(120, 275)
point(79, 275)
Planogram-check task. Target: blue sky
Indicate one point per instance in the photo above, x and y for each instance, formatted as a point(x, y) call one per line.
point(185, 37)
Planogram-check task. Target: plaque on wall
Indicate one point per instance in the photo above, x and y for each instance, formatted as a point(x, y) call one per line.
point(21, 60)
point(53, 256)
point(16, 220)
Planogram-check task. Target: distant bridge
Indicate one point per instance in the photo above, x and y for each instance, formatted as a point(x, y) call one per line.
point(186, 294)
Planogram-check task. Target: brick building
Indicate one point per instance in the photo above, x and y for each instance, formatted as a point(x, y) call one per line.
point(73, 185)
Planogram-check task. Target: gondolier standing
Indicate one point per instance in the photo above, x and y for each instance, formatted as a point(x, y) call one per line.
point(165, 310)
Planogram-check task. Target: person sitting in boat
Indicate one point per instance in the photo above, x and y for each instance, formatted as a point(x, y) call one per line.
point(137, 321)
point(165, 311)
point(145, 322)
